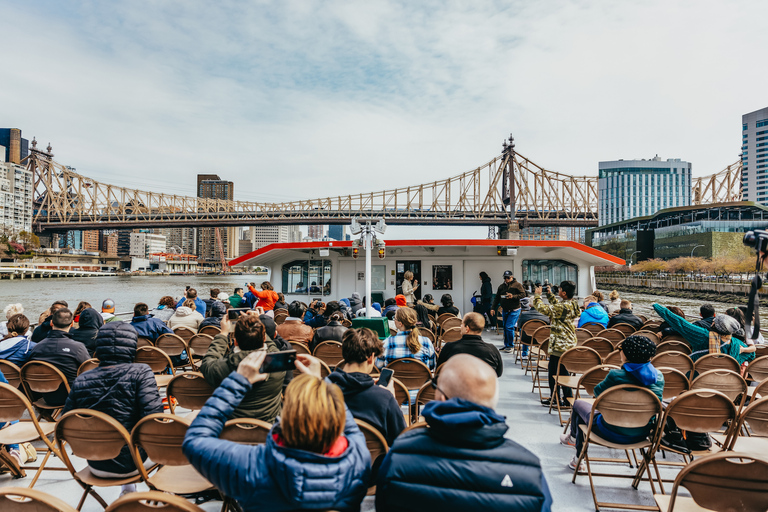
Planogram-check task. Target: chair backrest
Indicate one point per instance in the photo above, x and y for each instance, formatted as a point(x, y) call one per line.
point(761, 391)
point(21, 499)
point(675, 382)
point(42, 377)
point(173, 344)
point(11, 372)
point(90, 435)
point(328, 352)
point(530, 326)
point(755, 416)
point(725, 481)
point(152, 501)
point(673, 337)
point(601, 345)
point(161, 436)
point(716, 362)
point(580, 359)
point(729, 383)
point(427, 333)
point(651, 325)
point(677, 360)
point(612, 335)
point(190, 390)
point(13, 404)
point(199, 344)
point(246, 431)
point(673, 346)
point(593, 377)
point(593, 327)
point(210, 330)
point(642, 317)
point(582, 335)
point(628, 406)
point(541, 334)
point(451, 335)
point(426, 394)
point(758, 369)
point(445, 316)
point(450, 323)
point(650, 335)
point(411, 372)
point(625, 328)
point(88, 365)
point(300, 348)
point(143, 341)
point(184, 333)
point(761, 350)
point(155, 358)
point(402, 396)
point(701, 410)
point(377, 445)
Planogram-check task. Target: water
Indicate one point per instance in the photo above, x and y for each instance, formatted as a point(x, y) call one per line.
point(641, 303)
point(36, 295)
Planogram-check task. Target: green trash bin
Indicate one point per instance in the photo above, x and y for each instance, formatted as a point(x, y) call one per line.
point(378, 325)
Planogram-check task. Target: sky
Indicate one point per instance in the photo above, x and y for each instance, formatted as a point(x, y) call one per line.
point(301, 99)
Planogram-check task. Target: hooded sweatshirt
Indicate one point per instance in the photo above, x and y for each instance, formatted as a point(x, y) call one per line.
point(150, 327)
point(90, 323)
point(185, 317)
point(594, 313)
point(16, 349)
point(371, 403)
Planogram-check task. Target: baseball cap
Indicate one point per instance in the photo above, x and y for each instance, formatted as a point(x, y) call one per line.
point(507, 273)
point(108, 306)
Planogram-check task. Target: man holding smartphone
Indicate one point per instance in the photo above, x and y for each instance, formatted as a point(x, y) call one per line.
point(508, 296)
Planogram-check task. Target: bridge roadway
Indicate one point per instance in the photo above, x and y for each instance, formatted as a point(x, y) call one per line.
point(530, 425)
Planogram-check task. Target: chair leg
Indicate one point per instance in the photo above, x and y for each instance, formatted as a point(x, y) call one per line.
point(40, 469)
point(82, 499)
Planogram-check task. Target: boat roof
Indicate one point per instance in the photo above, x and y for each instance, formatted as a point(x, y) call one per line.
point(274, 252)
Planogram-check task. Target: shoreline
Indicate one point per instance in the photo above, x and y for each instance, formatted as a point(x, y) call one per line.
point(704, 296)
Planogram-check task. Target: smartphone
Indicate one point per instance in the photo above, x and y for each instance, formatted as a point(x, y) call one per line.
point(318, 299)
point(233, 313)
point(385, 377)
point(188, 287)
point(279, 362)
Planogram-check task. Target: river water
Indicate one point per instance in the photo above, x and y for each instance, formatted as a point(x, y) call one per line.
point(36, 295)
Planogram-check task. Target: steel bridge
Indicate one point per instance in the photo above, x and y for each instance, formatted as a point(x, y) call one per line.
point(508, 190)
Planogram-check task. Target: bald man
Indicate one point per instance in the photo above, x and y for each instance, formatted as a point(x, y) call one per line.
point(460, 458)
point(472, 343)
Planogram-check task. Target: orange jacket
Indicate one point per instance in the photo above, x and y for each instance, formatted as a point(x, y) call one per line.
point(267, 298)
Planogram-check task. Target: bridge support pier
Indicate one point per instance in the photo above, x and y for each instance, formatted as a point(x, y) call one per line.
point(510, 232)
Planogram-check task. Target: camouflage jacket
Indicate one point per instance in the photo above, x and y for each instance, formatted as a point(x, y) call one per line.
point(561, 315)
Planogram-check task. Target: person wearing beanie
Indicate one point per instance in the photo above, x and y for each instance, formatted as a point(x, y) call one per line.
point(400, 301)
point(637, 370)
point(218, 310)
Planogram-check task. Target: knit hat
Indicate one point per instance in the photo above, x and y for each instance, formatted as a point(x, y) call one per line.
point(218, 309)
point(638, 349)
point(400, 300)
point(725, 325)
point(108, 306)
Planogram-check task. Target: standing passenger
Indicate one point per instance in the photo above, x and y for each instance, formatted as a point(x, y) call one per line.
point(409, 287)
point(508, 296)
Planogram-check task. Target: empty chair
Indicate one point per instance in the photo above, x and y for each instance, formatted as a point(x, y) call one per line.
point(21, 499)
point(625, 328)
point(190, 391)
point(716, 362)
point(175, 345)
point(152, 501)
point(757, 369)
point(729, 383)
point(143, 341)
point(246, 431)
point(449, 335)
point(613, 335)
point(451, 322)
point(676, 360)
point(329, 352)
point(583, 335)
point(425, 395)
point(377, 448)
point(158, 361)
point(593, 327)
point(601, 345)
point(198, 344)
point(403, 398)
point(650, 335)
point(184, 333)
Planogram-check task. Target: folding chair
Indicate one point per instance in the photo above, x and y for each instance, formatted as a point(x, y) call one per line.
point(13, 405)
point(280, 317)
point(729, 383)
point(377, 447)
point(675, 382)
point(629, 407)
point(527, 330)
point(403, 397)
point(541, 364)
point(39, 377)
point(758, 369)
point(716, 362)
point(588, 381)
point(673, 346)
point(576, 360)
point(210, 330)
point(329, 352)
point(199, 344)
point(88, 365)
point(152, 501)
point(582, 335)
point(601, 345)
point(160, 436)
point(613, 335)
point(448, 336)
point(442, 318)
point(411, 372)
point(425, 395)
point(190, 390)
point(184, 333)
point(614, 358)
point(11, 372)
point(754, 422)
point(677, 360)
point(174, 345)
point(673, 337)
point(593, 328)
point(143, 341)
point(625, 328)
point(300, 348)
point(539, 336)
point(159, 363)
point(20, 499)
point(650, 335)
point(723, 481)
point(761, 350)
point(246, 431)
point(450, 323)
point(92, 435)
point(423, 331)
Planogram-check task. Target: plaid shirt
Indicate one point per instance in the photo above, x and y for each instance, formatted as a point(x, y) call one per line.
point(396, 348)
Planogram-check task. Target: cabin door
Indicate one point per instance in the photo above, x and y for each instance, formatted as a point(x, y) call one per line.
point(402, 267)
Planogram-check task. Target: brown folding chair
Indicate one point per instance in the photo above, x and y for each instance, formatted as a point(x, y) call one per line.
point(437, 370)
point(761, 350)
point(625, 328)
point(92, 435)
point(540, 365)
point(152, 501)
point(613, 335)
point(673, 337)
point(184, 333)
point(20, 499)
point(448, 336)
point(624, 406)
point(377, 447)
point(13, 405)
point(11, 372)
point(442, 318)
point(677, 360)
point(614, 358)
point(576, 360)
point(280, 317)
point(143, 341)
point(673, 346)
point(329, 352)
point(651, 325)
point(593, 328)
point(722, 481)
point(246, 431)
point(716, 362)
point(190, 390)
point(425, 395)
point(160, 436)
point(403, 397)
point(88, 365)
point(411, 372)
point(758, 369)
point(199, 344)
point(300, 348)
point(210, 330)
point(528, 328)
point(450, 323)
point(159, 363)
point(174, 345)
point(729, 383)
point(587, 382)
point(39, 377)
point(753, 421)
point(582, 335)
point(675, 382)
point(601, 345)
point(648, 334)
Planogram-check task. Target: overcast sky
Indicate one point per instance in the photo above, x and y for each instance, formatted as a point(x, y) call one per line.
point(300, 99)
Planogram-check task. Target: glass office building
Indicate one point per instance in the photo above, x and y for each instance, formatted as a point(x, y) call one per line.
point(754, 156)
point(637, 188)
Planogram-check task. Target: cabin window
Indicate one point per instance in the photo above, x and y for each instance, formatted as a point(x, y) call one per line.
point(307, 277)
point(442, 277)
point(550, 271)
point(378, 277)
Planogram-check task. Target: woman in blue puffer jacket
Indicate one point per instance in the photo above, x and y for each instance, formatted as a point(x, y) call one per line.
point(315, 458)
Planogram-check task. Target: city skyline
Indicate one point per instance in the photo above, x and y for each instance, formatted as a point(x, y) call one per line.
point(414, 97)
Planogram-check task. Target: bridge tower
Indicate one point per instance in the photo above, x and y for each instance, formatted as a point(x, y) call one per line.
point(512, 230)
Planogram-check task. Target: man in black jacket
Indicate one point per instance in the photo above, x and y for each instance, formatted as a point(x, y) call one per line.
point(508, 296)
point(472, 343)
point(123, 390)
point(466, 436)
point(59, 349)
point(373, 404)
point(625, 316)
point(332, 331)
point(707, 312)
point(42, 330)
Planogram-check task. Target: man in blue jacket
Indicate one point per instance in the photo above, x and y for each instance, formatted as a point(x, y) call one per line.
point(146, 325)
point(428, 468)
point(191, 294)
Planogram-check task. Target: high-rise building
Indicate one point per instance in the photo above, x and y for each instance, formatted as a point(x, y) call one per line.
point(180, 240)
point(260, 236)
point(15, 196)
point(108, 242)
point(754, 156)
point(145, 244)
point(124, 242)
point(15, 147)
point(336, 232)
point(316, 232)
point(574, 234)
point(636, 188)
point(72, 239)
point(211, 186)
point(91, 240)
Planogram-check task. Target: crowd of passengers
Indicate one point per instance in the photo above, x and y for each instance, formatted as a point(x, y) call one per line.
point(315, 456)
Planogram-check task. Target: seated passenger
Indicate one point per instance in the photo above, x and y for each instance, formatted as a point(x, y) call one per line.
point(146, 325)
point(333, 331)
point(707, 312)
point(165, 309)
point(407, 343)
point(472, 343)
point(447, 305)
point(293, 327)
point(10, 311)
point(636, 369)
point(45, 325)
point(16, 346)
point(89, 325)
point(198, 304)
point(218, 310)
point(462, 462)
point(615, 303)
point(262, 401)
point(665, 329)
point(315, 458)
point(318, 313)
point(373, 404)
point(123, 390)
point(355, 302)
point(267, 296)
point(625, 316)
point(593, 313)
point(186, 316)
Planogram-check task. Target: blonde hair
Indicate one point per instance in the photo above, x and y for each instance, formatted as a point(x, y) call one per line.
point(408, 275)
point(313, 414)
point(408, 318)
point(189, 303)
point(614, 295)
point(12, 310)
